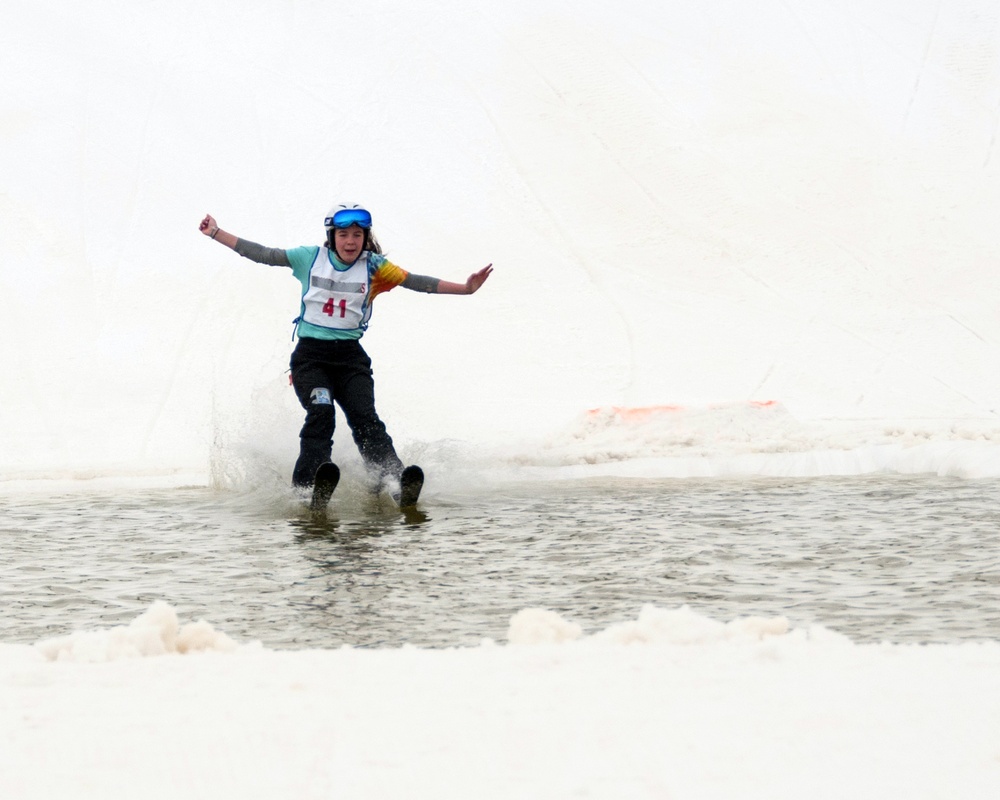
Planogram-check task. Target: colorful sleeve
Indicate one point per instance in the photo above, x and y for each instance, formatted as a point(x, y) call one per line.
point(385, 275)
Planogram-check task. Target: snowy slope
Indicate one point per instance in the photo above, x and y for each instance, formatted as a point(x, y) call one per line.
point(686, 205)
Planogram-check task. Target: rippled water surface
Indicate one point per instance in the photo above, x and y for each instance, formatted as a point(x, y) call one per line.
point(903, 559)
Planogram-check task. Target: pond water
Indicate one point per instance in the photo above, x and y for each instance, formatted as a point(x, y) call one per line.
point(901, 559)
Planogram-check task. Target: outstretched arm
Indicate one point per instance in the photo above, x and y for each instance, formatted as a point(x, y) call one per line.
point(274, 256)
point(425, 283)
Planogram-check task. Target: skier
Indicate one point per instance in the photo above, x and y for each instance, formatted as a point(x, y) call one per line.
point(339, 281)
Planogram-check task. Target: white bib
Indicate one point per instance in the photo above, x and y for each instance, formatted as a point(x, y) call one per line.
point(336, 298)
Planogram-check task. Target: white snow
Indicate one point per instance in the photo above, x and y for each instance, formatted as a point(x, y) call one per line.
point(773, 222)
point(670, 705)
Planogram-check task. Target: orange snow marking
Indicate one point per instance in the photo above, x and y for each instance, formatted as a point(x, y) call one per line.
point(644, 412)
point(635, 412)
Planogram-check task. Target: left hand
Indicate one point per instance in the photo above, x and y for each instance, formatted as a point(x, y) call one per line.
point(477, 279)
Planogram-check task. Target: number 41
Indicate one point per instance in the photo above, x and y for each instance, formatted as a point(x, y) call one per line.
point(329, 307)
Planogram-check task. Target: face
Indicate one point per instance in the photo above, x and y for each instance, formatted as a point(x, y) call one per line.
point(348, 242)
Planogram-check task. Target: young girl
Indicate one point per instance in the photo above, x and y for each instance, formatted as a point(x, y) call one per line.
point(339, 282)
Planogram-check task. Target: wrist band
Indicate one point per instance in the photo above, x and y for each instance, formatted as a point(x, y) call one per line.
point(215, 232)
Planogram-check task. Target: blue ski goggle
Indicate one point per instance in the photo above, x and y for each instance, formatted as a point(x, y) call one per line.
point(347, 217)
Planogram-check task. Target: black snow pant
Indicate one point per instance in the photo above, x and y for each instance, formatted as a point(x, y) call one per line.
point(328, 371)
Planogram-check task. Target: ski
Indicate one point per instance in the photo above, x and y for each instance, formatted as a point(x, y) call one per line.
point(327, 478)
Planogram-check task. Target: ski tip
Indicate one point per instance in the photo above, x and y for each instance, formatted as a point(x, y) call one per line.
point(411, 481)
point(327, 478)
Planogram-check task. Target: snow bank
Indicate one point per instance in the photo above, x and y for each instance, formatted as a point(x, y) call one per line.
point(671, 704)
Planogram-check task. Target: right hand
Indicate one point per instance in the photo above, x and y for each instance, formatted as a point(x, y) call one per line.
point(208, 226)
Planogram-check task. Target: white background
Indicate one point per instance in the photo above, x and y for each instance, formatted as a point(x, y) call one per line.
point(685, 203)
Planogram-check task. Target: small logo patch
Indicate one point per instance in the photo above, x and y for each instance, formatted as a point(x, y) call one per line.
point(320, 396)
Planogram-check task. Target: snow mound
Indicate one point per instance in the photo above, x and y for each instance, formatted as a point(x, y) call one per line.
point(684, 626)
point(157, 632)
point(680, 626)
point(538, 626)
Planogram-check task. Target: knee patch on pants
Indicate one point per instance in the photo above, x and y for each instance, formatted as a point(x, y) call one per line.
point(320, 396)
